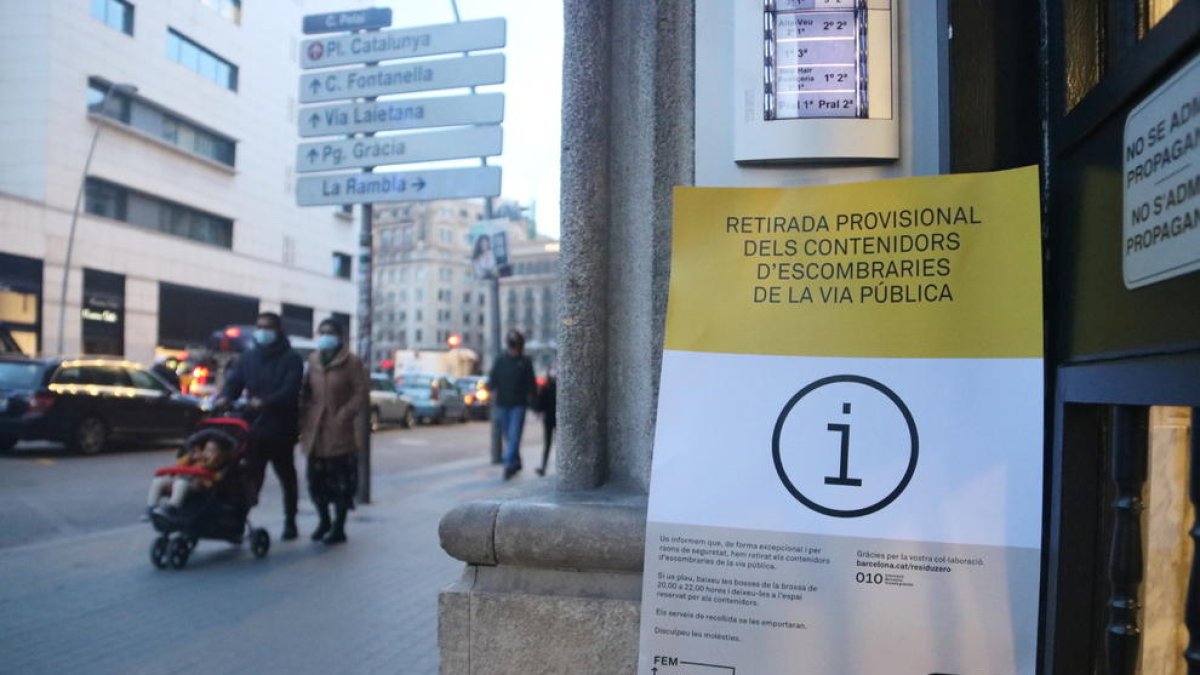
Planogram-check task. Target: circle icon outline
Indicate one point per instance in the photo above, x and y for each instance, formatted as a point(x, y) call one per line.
point(812, 504)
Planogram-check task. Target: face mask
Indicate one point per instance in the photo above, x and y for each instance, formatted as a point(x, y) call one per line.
point(264, 336)
point(328, 343)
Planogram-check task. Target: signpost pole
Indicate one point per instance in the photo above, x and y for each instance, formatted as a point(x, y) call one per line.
point(365, 351)
point(494, 337)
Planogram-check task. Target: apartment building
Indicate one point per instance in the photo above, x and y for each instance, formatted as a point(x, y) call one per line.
point(178, 119)
point(424, 287)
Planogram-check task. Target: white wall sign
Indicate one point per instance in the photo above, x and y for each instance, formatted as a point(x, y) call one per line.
point(1161, 233)
point(402, 43)
point(398, 149)
point(398, 186)
point(468, 71)
point(409, 113)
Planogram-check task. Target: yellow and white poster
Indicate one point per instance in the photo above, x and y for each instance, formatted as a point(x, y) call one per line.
point(847, 472)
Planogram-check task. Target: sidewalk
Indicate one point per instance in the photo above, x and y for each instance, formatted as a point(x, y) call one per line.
point(95, 604)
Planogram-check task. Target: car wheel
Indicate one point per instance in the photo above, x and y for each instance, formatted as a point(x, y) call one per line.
point(90, 436)
point(7, 443)
point(410, 420)
point(375, 420)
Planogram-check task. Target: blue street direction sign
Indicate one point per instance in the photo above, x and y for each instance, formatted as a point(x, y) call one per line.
point(399, 149)
point(402, 43)
point(409, 113)
point(467, 71)
point(398, 186)
point(335, 22)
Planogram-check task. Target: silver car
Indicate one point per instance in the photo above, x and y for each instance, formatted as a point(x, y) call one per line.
point(388, 406)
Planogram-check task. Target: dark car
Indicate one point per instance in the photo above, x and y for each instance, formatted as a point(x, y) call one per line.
point(86, 402)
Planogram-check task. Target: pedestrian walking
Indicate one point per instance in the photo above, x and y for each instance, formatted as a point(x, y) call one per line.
point(547, 408)
point(512, 382)
point(336, 394)
point(270, 375)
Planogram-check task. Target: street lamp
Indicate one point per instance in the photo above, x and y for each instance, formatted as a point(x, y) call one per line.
point(102, 120)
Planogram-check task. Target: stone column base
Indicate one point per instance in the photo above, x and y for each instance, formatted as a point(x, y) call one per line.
point(505, 621)
point(553, 585)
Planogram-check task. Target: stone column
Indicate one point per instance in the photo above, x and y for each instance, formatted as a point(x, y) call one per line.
point(553, 577)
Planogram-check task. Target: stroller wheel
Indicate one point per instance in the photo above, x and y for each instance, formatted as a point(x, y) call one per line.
point(158, 552)
point(180, 550)
point(260, 542)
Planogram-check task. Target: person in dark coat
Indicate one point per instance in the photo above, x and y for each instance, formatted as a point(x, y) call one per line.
point(270, 375)
point(547, 407)
point(512, 383)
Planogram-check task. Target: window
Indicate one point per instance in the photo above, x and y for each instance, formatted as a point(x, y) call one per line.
point(143, 380)
point(230, 9)
point(341, 265)
point(297, 320)
point(192, 56)
point(110, 200)
point(116, 14)
point(160, 123)
point(118, 106)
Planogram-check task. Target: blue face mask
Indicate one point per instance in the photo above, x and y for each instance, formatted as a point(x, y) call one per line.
point(328, 343)
point(264, 336)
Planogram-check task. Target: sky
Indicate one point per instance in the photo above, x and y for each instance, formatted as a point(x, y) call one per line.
point(532, 91)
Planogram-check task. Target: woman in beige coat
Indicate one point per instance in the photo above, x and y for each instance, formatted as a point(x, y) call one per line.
point(337, 391)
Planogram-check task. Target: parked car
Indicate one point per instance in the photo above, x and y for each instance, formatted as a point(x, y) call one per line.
point(86, 402)
point(476, 395)
point(435, 399)
point(387, 405)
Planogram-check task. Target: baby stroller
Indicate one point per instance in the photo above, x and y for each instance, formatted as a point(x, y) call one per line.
point(215, 513)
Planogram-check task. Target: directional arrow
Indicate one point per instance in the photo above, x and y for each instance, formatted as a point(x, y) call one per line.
point(312, 155)
point(314, 120)
point(315, 85)
point(420, 183)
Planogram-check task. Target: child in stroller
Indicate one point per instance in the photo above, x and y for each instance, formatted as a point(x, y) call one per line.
point(211, 493)
point(198, 468)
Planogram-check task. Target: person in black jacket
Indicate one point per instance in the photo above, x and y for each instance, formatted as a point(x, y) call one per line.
point(547, 408)
point(512, 382)
point(270, 374)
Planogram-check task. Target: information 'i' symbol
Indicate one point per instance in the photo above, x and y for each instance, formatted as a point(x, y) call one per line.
point(810, 436)
point(843, 478)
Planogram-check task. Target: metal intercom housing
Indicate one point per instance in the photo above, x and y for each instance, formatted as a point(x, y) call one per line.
point(815, 80)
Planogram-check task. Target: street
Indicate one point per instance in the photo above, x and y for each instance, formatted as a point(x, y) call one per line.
point(80, 593)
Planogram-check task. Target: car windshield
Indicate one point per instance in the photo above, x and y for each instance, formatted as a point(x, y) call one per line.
point(415, 381)
point(14, 375)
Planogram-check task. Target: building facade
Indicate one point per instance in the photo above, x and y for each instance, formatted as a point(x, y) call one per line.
point(179, 121)
point(425, 290)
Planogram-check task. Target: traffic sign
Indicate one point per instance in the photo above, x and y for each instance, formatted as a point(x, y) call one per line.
point(398, 186)
point(333, 22)
point(402, 43)
point(399, 149)
point(411, 113)
point(467, 71)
